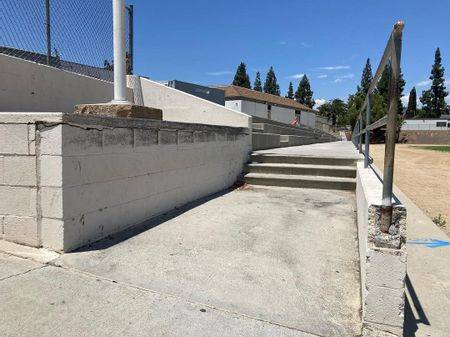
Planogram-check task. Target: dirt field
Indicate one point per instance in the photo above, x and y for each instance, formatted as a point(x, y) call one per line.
point(423, 175)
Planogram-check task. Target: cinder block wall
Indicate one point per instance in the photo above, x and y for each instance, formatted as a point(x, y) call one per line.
point(89, 177)
point(382, 258)
point(18, 184)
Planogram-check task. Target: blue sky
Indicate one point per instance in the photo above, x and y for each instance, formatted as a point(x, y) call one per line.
point(203, 41)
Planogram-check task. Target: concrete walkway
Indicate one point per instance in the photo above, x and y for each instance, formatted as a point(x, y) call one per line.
point(428, 279)
point(342, 149)
point(253, 262)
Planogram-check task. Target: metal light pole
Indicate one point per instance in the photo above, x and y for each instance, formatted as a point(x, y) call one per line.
point(120, 79)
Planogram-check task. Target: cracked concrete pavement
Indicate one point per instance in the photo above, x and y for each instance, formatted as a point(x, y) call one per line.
point(259, 261)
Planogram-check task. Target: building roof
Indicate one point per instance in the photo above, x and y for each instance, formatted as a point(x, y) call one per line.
point(235, 92)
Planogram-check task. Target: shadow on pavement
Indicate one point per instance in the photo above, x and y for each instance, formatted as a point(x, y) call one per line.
point(411, 322)
point(126, 234)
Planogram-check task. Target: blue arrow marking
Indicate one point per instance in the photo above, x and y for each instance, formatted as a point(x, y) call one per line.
point(431, 243)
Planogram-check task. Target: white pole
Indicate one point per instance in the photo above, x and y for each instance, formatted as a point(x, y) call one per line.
point(120, 80)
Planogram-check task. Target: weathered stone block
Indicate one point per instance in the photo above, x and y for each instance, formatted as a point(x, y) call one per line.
point(18, 201)
point(117, 140)
point(53, 234)
point(13, 139)
point(52, 202)
point(23, 230)
point(385, 306)
point(51, 171)
point(145, 137)
point(18, 171)
point(167, 137)
point(119, 110)
point(386, 268)
point(185, 137)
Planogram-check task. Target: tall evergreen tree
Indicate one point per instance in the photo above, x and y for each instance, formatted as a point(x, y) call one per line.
point(366, 78)
point(433, 100)
point(411, 111)
point(271, 86)
point(290, 93)
point(257, 85)
point(304, 94)
point(383, 88)
point(241, 78)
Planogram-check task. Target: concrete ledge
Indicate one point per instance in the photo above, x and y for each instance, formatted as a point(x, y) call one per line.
point(383, 258)
point(119, 110)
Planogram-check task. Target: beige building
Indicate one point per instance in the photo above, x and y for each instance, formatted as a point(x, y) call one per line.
point(259, 104)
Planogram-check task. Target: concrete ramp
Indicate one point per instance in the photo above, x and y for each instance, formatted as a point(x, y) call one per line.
point(254, 262)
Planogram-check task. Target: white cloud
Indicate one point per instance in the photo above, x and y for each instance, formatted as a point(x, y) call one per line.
point(322, 76)
point(423, 83)
point(319, 102)
point(334, 68)
point(219, 73)
point(306, 45)
point(405, 100)
point(447, 82)
point(341, 78)
point(297, 76)
point(346, 76)
point(283, 43)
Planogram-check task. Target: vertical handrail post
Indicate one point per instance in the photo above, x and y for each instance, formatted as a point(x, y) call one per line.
point(48, 31)
point(391, 127)
point(367, 134)
point(360, 132)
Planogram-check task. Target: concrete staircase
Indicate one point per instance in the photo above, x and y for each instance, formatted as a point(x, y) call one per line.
point(269, 134)
point(301, 172)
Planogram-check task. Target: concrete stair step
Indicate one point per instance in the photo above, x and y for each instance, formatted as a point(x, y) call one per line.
point(282, 159)
point(303, 169)
point(301, 181)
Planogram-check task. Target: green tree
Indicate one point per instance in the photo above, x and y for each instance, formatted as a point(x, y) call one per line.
point(290, 93)
point(334, 110)
point(304, 94)
point(433, 100)
point(257, 85)
point(271, 86)
point(354, 105)
point(383, 88)
point(241, 78)
point(411, 110)
point(366, 78)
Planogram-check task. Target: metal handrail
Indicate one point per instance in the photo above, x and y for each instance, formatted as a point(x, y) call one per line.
point(391, 57)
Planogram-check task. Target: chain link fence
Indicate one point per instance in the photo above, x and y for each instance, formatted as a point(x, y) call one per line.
point(72, 35)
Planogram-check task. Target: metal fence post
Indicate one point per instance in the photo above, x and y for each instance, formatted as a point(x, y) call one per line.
point(360, 132)
point(130, 10)
point(367, 135)
point(48, 31)
point(391, 128)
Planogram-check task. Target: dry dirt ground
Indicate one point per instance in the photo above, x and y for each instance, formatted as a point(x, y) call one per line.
point(423, 175)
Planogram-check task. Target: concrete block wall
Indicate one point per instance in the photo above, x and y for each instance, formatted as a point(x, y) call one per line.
point(382, 258)
point(86, 177)
point(18, 184)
